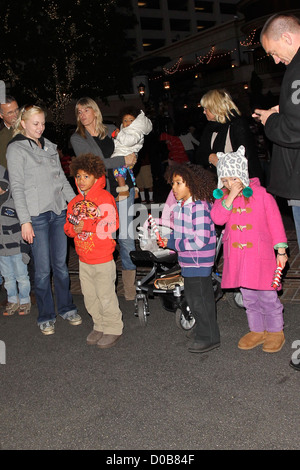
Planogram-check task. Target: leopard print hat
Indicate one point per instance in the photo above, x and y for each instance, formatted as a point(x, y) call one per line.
point(233, 164)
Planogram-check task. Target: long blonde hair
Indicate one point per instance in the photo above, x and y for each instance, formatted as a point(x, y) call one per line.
point(25, 113)
point(220, 104)
point(100, 128)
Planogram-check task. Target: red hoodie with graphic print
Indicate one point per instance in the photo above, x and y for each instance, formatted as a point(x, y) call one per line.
point(95, 245)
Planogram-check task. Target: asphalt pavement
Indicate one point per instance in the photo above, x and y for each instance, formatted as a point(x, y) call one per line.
point(148, 392)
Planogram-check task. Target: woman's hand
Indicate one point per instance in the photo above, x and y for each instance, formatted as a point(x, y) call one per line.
point(27, 232)
point(130, 159)
point(213, 159)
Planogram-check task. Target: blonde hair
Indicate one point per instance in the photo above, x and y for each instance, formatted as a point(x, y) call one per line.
point(100, 128)
point(220, 104)
point(25, 113)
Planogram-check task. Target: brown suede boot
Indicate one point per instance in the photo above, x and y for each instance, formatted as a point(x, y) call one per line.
point(94, 337)
point(273, 342)
point(252, 339)
point(128, 278)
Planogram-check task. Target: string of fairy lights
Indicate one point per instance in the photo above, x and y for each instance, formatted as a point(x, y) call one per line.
point(207, 58)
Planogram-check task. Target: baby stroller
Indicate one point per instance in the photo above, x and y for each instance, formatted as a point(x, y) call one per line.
point(164, 279)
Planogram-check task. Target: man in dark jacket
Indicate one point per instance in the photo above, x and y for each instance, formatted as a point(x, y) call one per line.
point(280, 37)
point(8, 113)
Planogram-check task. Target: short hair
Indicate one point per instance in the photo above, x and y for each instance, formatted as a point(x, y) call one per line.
point(100, 128)
point(278, 24)
point(8, 99)
point(25, 113)
point(220, 104)
point(88, 162)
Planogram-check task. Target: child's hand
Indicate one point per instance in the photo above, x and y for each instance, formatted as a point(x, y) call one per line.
point(236, 188)
point(163, 243)
point(78, 228)
point(281, 259)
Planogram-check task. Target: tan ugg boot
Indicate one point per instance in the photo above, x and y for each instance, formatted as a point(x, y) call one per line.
point(123, 192)
point(252, 339)
point(273, 342)
point(128, 278)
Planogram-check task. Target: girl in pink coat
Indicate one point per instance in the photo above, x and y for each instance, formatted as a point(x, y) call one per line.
point(253, 230)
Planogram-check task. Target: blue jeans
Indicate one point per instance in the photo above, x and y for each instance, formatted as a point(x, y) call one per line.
point(126, 237)
point(49, 250)
point(296, 215)
point(17, 283)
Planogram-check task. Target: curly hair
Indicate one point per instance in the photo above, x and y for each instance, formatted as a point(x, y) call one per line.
point(89, 163)
point(200, 182)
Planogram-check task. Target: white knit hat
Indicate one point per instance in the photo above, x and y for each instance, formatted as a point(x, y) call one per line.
point(233, 164)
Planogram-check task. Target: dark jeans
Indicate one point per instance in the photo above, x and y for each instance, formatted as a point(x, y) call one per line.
point(49, 251)
point(200, 297)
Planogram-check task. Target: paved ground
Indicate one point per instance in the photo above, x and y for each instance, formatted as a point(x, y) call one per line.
point(148, 392)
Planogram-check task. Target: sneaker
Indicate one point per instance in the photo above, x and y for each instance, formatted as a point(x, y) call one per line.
point(24, 309)
point(74, 319)
point(10, 309)
point(47, 328)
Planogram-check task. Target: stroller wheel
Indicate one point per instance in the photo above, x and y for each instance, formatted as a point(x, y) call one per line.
point(184, 318)
point(235, 299)
point(142, 311)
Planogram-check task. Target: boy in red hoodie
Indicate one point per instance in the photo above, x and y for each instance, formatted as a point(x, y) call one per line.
point(92, 219)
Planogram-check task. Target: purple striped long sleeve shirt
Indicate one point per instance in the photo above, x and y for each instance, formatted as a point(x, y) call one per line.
point(194, 238)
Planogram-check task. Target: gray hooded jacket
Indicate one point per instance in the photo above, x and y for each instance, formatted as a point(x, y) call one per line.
point(11, 241)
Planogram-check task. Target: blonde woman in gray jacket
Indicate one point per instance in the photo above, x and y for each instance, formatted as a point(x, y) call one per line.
point(41, 191)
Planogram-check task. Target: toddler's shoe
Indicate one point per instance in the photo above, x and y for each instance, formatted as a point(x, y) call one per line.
point(252, 339)
point(24, 309)
point(274, 342)
point(94, 337)
point(123, 193)
point(107, 341)
point(10, 309)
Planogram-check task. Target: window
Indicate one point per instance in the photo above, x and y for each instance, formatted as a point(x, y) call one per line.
point(154, 4)
point(201, 25)
point(151, 23)
point(203, 6)
point(152, 44)
point(179, 25)
point(227, 9)
point(178, 5)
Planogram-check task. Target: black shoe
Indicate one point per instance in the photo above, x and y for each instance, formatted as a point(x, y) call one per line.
point(295, 366)
point(201, 347)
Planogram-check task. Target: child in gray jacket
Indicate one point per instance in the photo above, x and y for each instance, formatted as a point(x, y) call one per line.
point(14, 253)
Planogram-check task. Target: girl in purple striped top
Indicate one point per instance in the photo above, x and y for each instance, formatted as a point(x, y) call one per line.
point(194, 238)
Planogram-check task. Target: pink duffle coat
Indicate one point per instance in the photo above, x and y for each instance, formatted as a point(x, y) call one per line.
point(252, 229)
